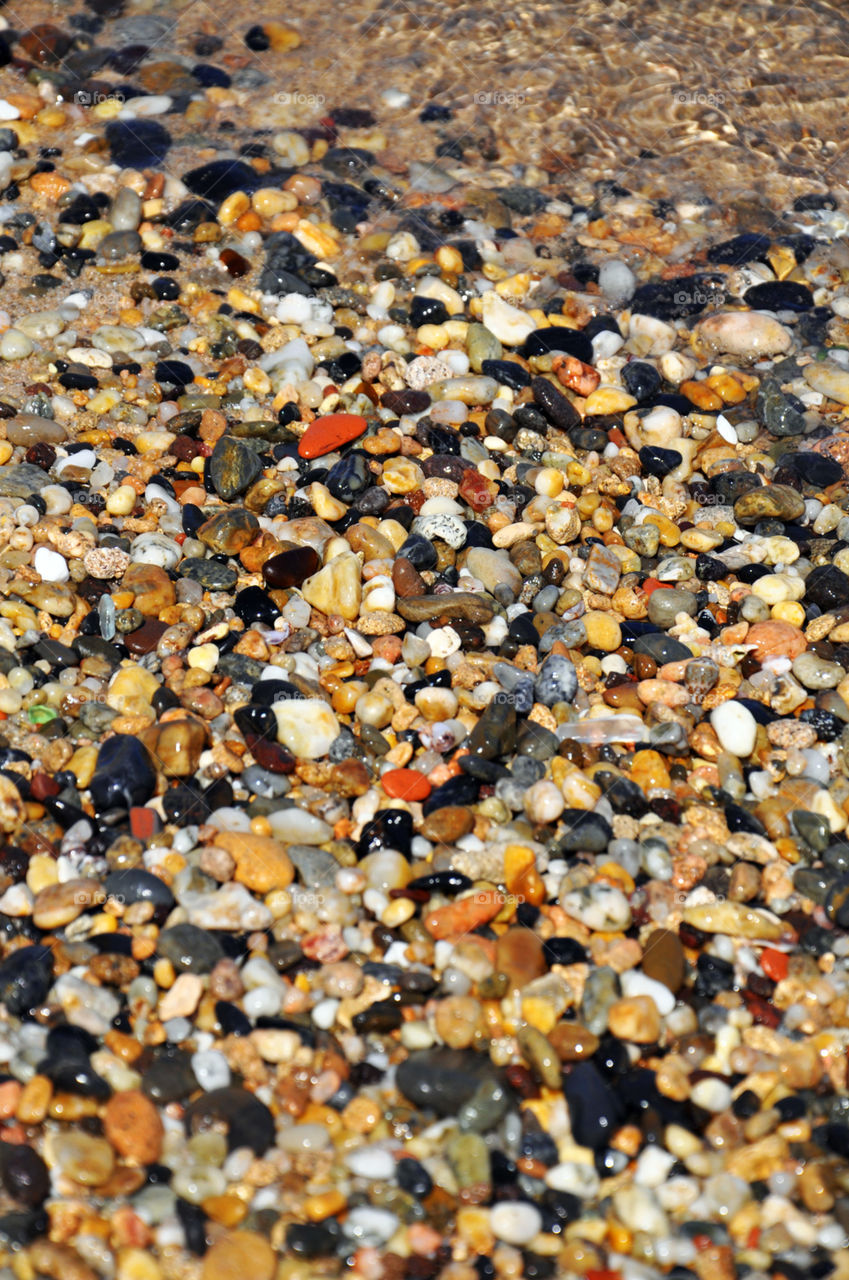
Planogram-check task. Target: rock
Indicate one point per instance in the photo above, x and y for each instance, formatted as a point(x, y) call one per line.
point(457, 604)
point(307, 727)
point(635, 1019)
point(519, 954)
point(506, 323)
point(152, 588)
point(444, 1080)
point(12, 809)
point(240, 1253)
point(84, 1159)
point(233, 467)
point(827, 587)
point(328, 433)
point(176, 745)
point(775, 638)
point(26, 976)
point(262, 863)
point(827, 377)
point(132, 1124)
point(736, 728)
point(447, 825)
point(190, 949)
point(337, 588)
point(291, 568)
point(58, 904)
point(603, 570)
point(516, 1222)
point(228, 532)
point(594, 1109)
point(748, 335)
point(665, 605)
point(556, 681)
point(124, 775)
point(30, 428)
point(769, 502)
point(663, 958)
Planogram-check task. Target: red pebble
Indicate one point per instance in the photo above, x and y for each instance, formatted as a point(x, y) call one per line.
point(405, 784)
point(774, 964)
point(328, 433)
point(477, 490)
point(144, 822)
point(652, 584)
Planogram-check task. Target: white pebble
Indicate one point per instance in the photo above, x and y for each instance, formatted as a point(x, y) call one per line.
point(50, 566)
point(736, 728)
point(373, 1163)
point(515, 1221)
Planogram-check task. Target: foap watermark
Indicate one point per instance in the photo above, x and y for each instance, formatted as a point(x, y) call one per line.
point(700, 297)
point(699, 97)
point(499, 98)
point(297, 98)
point(94, 98)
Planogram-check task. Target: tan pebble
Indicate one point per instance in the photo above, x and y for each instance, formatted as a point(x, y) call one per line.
point(456, 1021)
point(635, 1018)
point(239, 1253)
point(262, 864)
point(181, 1000)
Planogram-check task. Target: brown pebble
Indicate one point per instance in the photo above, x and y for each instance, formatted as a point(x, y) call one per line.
point(663, 958)
point(519, 954)
point(572, 1042)
point(448, 825)
point(131, 1123)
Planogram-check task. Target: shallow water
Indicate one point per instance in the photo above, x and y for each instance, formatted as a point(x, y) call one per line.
point(744, 102)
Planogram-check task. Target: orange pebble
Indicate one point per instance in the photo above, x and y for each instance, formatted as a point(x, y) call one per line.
point(405, 784)
point(774, 964)
point(464, 914)
point(329, 432)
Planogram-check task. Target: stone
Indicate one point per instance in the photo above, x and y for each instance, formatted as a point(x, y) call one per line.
point(124, 775)
point(239, 1253)
point(152, 588)
point(307, 727)
point(775, 638)
point(291, 568)
point(132, 1125)
point(735, 727)
point(228, 532)
point(769, 502)
point(634, 1018)
point(556, 681)
point(262, 863)
point(444, 1080)
point(748, 335)
point(829, 378)
point(337, 588)
point(663, 958)
point(176, 745)
point(233, 467)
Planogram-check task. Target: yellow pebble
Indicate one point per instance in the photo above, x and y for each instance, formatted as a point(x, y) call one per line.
point(122, 501)
point(449, 259)
point(41, 872)
point(549, 482)
point(204, 657)
point(163, 974)
point(788, 611)
point(137, 1264)
point(316, 239)
point(268, 202)
point(399, 911)
point(34, 1101)
point(233, 207)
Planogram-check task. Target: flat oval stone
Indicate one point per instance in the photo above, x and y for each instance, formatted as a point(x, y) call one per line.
point(444, 1080)
point(769, 502)
point(328, 433)
point(457, 604)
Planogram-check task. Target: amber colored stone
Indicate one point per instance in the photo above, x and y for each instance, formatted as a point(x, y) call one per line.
point(663, 958)
point(291, 568)
point(519, 954)
point(572, 1042)
point(146, 637)
point(406, 579)
point(448, 825)
point(774, 638)
point(153, 589)
point(176, 745)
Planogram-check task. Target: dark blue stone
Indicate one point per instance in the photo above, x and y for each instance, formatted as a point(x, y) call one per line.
point(26, 976)
point(124, 775)
point(571, 341)
point(390, 829)
point(138, 144)
point(594, 1109)
point(462, 791)
point(134, 884)
point(419, 551)
point(779, 295)
point(220, 178)
point(641, 379)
